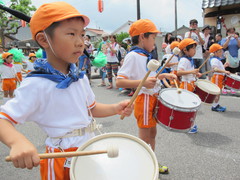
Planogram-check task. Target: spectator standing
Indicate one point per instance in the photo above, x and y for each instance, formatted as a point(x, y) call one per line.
point(195, 34)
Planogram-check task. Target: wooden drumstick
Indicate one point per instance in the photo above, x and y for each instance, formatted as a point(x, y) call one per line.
point(213, 70)
point(176, 51)
point(152, 65)
point(112, 152)
point(178, 89)
point(210, 55)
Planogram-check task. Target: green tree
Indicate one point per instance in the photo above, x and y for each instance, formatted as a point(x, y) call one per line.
point(120, 37)
point(9, 24)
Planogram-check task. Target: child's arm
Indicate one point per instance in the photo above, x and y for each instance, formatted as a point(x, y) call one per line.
point(105, 110)
point(23, 153)
point(168, 76)
point(172, 64)
point(222, 71)
point(183, 72)
point(127, 83)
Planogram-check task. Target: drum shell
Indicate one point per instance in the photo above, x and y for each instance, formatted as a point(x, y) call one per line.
point(232, 83)
point(174, 118)
point(204, 96)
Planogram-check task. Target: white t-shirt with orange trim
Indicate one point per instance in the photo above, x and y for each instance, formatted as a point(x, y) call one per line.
point(135, 68)
point(185, 64)
point(215, 63)
point(18, 67)
point(56, 111)
point(7, 72)
point(30, 66)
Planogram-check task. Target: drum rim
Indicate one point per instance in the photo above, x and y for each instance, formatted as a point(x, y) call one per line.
point(178, 108)
point(207, 90)
point(122, 135)
point(232, 76)
point(173, 129)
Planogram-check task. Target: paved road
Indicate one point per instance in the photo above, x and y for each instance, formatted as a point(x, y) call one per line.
point(211, 154)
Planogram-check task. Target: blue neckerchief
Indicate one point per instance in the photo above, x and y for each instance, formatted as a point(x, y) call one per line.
point(190, 59)
point(220, 59)
point(143, 51)
point(45, 70)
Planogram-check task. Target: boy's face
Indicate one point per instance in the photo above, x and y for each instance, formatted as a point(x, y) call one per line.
point(219, 53)
point(68, 40)
point(149, 42)
point(33, 58)
point(191, 52)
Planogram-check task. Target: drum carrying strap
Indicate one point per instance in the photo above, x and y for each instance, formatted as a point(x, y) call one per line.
point(82, 131)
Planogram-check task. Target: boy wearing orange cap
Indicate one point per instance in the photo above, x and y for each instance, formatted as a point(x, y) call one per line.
point(31, 60)
point(219, 73)
point(8, 74)
point(59, 29)
point(133, 70)
point(186, 68)
point(173, 64)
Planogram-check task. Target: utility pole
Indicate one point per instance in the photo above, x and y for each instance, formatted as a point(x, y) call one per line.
point(138, 10)
point(176, 17)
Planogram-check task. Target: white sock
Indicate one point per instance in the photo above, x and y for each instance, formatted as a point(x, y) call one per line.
point(214, 105)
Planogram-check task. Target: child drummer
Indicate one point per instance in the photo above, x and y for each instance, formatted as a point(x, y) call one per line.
point(133, 70)
point(186, 68)
point(219, 73)
point(61, 101)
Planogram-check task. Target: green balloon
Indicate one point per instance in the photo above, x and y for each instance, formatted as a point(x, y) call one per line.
point(1, 2)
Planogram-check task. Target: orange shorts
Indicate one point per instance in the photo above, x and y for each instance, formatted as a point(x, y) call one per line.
point(144, 107)
point(9, 84)
point(188, 86)
point(19, 75)
point(218, 79)
point(54, 168)
point(172, 82)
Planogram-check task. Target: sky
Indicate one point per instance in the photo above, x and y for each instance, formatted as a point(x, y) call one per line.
point(118, 12)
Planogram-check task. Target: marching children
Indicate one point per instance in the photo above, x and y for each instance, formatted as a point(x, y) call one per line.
point(61, 101)
point(143, 33)
point(8, 74)
point(186, 68)
point(31, 60)
point(219, 73)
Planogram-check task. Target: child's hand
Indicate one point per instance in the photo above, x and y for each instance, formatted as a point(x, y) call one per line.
point(199, 75)
point(24, 155)
point(171, 76)
point(226, 64)
point(150, 82)
point(123, 109)
point(228, 72)
point(195, 71)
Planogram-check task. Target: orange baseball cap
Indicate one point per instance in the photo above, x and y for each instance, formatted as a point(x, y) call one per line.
point(142, 26)
point(215, 47)
point(53, 12)
point(186, 42)
point(32, 55)
point(174, 44)
point(6, 54)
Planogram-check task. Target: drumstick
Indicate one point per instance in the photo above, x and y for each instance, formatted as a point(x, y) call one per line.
point(213, 70)
point(112, 152)
point(178, 89)
point(176, 51)
point(210, 55)
point(16, 13)
point(152, 65)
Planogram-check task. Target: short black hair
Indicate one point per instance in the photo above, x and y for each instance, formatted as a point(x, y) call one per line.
point(135, 40)
point(189, 47)
point(192, 21)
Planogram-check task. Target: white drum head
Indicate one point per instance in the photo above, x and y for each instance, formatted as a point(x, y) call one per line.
point(136, 160)
point(235, 77)
point(208, 86)
point(185, 99)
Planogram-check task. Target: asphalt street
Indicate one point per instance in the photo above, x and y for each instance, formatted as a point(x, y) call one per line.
point(211, 154)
